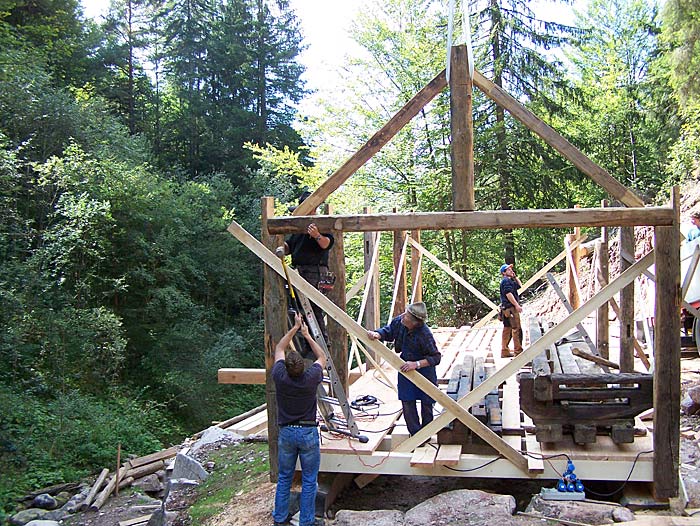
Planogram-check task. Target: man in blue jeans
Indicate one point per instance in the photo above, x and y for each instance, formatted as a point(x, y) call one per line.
point(298, 428)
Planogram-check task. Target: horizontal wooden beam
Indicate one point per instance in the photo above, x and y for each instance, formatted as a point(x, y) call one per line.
point(481, 220)
point(256, 376)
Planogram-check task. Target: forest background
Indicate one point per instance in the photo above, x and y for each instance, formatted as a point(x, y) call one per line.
point(127, 145)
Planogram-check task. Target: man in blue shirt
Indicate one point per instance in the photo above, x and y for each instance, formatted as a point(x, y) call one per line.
point(298, 431)
point(415, 342)
point(510, 311)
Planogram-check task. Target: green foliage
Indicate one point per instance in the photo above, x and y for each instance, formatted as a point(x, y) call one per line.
point(681, 34)
point(45, 441)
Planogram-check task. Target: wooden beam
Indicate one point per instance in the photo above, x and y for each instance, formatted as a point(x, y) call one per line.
point(398, 298)
point(627, 328)
point(667, 358)
point(556, 141)
point(275, 315)
point(478, 220)
point(531, 352)
point(379, 349)
point(459, 279)
point(336, 332)
point(350, 294)
point(533, 279)
point(416, 274)
point(602, 316)
point(373, 145)
point(572, 279)
point(369, 307)
point(241, 376)
point(462, 130)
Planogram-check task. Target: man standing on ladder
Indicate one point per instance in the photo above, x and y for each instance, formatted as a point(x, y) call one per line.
point(298, 429)
point(310, 258)
point(414, 340)
point(510, 312)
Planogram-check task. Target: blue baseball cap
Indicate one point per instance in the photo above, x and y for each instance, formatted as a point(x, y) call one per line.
point(505, 267)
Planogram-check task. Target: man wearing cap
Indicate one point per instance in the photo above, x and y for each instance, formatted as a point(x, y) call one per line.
point(510, 310)
point(414, 341)
point(310, 258)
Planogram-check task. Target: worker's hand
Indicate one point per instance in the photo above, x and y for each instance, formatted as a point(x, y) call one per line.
point(279, 252)
point(409, 366)
point(373, 335)
point(305, 330)
point(518, 308)
point(299, 323)
point(312, 230)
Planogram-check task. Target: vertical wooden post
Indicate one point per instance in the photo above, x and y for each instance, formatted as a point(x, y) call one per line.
point(603, 318)
point(462, 129)
point(372, 318)
point(626, 304)
point(416, 275)
point(572, 266)
point(337, 335)
point(275, 314)
point(667, 357)
point(400, 273)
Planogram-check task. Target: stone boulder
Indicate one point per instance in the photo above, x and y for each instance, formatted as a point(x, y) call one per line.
point(369, 518)
point(463, 508)
point(23, 517)
point(578, 511)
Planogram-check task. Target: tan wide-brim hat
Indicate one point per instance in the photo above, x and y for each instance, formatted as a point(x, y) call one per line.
point(418, 310)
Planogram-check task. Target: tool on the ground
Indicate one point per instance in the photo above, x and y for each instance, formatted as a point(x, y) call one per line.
point(335, 395)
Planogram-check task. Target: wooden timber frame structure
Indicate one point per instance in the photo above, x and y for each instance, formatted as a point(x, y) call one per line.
point(513, 464)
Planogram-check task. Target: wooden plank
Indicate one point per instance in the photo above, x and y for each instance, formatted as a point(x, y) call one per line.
point(423, 457)
point(138, 520)
point(477, 220)
point(241, 376)
point(667, 358)
point(448, 455)
point(355, 289)
point(602, 316)
point(153, 457)
point(528, 354)
point(556, 141)
point(452, 407)
point(462, 130)
point(459, 279)
point(568, 362)
point(535, 463)
point(510, 415)
point(373, 145)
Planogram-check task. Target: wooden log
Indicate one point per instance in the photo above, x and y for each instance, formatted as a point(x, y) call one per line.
point(593, 358)
point(108, 489)
point(462, 130)
point(126, 482)
point(146, 469)
point(374, 144)
point(231, 421)
point(477, 220)
point(99, 482)
point(275, 314)
point(667, 358)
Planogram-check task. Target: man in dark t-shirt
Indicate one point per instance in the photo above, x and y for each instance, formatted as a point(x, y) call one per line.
point(298, 430)
point(510, 310)
point(310, 258)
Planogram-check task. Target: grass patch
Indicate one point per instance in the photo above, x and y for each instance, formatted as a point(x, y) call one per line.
point(238, 469)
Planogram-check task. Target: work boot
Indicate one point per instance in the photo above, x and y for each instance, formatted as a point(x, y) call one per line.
point(505, 353)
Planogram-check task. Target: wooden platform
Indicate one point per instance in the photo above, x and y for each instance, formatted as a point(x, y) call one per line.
point(385, 429)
